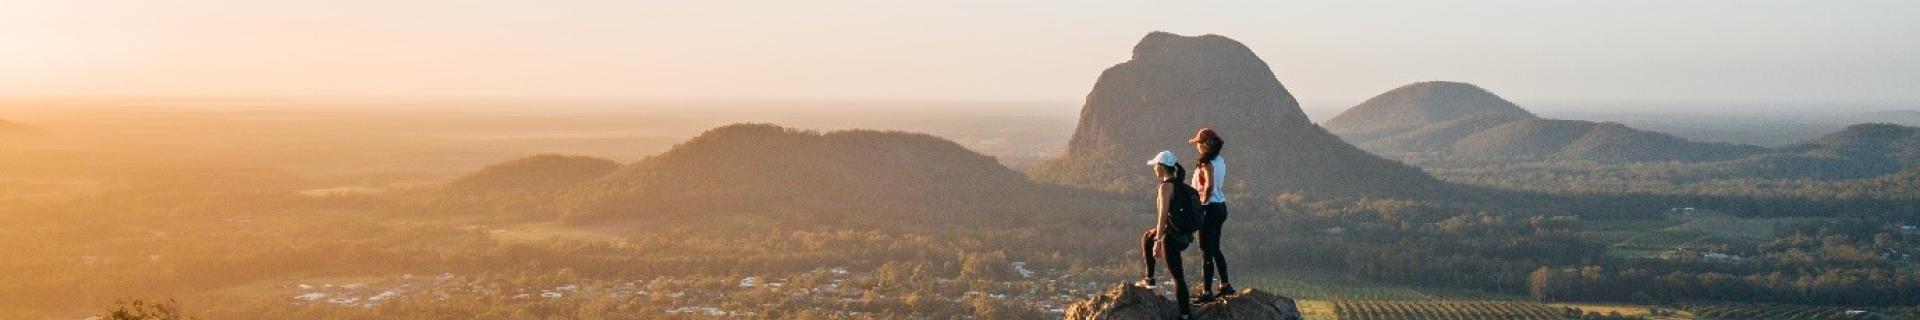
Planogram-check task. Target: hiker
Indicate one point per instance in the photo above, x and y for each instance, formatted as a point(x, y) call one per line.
point(1177, 217)
point(1209, 174)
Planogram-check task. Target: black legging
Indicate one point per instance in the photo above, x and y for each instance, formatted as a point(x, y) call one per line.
point(1211, 261)
point(1171, 253)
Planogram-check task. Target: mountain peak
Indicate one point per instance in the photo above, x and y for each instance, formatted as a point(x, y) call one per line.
point(1165, 45)
point(1175, 85)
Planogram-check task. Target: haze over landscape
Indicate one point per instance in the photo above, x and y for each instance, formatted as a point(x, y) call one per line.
point(220, 159)
point(1764, 55)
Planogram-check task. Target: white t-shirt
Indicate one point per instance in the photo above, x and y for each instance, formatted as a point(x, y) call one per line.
point(1219, 165)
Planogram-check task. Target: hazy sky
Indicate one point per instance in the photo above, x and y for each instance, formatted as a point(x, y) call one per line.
point(1821, 52)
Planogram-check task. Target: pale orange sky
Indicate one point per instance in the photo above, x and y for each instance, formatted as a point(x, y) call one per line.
point(1793, 51)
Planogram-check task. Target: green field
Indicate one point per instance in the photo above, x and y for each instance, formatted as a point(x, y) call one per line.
point(1324, 286)
point(1767, 311)
point(1395, 310)
point(1330, 296)
point(1651, 238)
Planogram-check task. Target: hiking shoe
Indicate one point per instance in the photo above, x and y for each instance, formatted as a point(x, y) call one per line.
point(1146, 283)
point(1227, 290)
point(1205, 297)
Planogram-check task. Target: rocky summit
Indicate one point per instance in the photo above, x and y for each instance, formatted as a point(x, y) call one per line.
point(1127, 302)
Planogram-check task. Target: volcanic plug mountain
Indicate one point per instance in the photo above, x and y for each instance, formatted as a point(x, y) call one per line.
point(1175, 85)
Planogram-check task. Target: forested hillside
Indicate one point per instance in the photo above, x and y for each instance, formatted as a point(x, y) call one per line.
point(857, 176)
point(1419, 105)
point(1859, 151)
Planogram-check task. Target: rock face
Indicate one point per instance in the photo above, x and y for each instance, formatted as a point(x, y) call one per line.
point(1175, 85)
point(1452, 122)
point(1124, 302)
point(1127, 302)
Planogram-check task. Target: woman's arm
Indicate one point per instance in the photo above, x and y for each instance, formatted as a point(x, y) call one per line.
point(1163, 201)
point(1204, 182)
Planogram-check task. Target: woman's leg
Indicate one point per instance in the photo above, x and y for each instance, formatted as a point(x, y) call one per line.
point(1213, 263)
point(1146, 252)
point(1179, 276)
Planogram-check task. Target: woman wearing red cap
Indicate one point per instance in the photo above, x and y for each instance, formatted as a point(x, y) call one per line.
point(1209, 172)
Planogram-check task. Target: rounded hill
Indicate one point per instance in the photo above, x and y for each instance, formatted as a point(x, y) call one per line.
point(1413, 106)
point(1859, 151)
point(762, 168)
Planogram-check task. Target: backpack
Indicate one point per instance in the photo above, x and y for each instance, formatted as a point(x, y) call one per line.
point(1184, 213)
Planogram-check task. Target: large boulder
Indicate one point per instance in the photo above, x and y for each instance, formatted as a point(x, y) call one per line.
point(1249, 304)
point(1126, 302)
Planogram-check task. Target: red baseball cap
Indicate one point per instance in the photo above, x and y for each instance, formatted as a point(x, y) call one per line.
point(1204, 135)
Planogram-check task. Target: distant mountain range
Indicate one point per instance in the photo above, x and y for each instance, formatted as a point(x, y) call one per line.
point(1462, 123)
point(1733, 125)
point(9, 128)
point(1175, 85)
point(1452, 124)
point(1171, 87)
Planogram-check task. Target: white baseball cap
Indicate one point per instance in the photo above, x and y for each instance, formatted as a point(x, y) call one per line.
point(1164, 158)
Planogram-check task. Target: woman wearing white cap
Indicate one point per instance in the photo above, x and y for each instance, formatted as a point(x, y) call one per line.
point(1178, 216)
